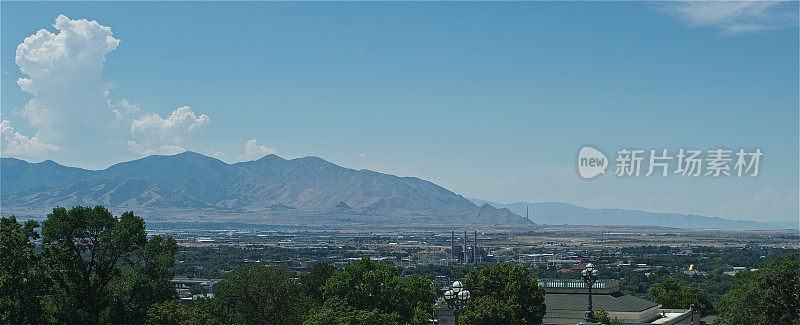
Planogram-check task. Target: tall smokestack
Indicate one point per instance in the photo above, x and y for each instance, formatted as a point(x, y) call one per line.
point(452, 244)
point(474, 245)
point(465, 246)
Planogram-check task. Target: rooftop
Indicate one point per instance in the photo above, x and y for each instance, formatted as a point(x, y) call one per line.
point(615, 302)
point(572, 294)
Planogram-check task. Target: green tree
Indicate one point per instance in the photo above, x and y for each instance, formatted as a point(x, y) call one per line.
point(336, 311)
point(503, 293)
point(770, 295)
point(368, 285)
point(260, 295)
point(21, 281)
point(315, 279)
point(671, 294)
point(89, 252)
point(421, 296)
point(173, 313)
point(144, 282)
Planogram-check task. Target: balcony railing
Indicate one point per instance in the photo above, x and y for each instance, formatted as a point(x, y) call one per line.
point(577, 284)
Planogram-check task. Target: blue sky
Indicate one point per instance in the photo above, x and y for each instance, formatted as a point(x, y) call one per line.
point(490, 100)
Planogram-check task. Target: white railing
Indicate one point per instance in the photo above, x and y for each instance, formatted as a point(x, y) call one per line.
point(575, 284)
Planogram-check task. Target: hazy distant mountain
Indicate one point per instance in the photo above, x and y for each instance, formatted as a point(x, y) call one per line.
point(556, 213)
point(193, 187)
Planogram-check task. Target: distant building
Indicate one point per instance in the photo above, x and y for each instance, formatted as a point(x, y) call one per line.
point(736, 269)
point(534, 259)
point(566, 304)
point(563, 261)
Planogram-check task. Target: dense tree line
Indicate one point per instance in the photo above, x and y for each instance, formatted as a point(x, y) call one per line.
point(768, 295)
point(710, 262)
point(217, 262)
point(366, 292)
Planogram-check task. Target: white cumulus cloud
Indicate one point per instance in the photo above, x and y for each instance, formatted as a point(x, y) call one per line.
point(14, 143)
point(153, 134)
point(71, 106)
point(77, 50)
point(253, 150)
point(73, 114)
point(63, 72)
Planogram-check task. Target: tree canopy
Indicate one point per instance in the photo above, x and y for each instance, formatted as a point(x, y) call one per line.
point(368, 285)
point(503, 293)
point(337, 311)
point(144, 281)
point(85, 246)
point(769, 295)
point(314, 281)
point(171, 312)
point(93, 267)
point(21, 279)
point(261, 295)
point(671, 294)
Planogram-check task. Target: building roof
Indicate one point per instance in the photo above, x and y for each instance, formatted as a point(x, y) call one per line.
point(615, 301)
point(578, 267)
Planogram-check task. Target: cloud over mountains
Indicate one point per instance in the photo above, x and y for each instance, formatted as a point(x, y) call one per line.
point(153, 134)
point(73, 110)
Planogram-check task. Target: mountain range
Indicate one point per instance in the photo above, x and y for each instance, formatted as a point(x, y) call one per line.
point(192, 187)
point(557, 213)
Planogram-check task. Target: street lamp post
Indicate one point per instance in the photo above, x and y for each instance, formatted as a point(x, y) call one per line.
point(589, 275)
point(456, 298)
